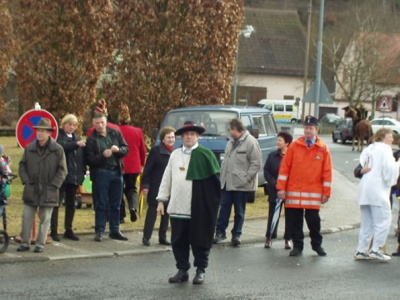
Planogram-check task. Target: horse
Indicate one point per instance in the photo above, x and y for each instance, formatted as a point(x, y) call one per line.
point(361, 128)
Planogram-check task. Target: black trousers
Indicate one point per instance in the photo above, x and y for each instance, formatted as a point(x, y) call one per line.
point(151, 217)
point(69, 190)
point(295, 217)
point(131, 194)
point(180, 233)
point(271, 211)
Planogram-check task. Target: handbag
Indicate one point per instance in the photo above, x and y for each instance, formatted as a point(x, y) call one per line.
point(357, 171)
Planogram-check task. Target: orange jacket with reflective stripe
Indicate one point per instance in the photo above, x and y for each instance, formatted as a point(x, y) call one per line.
point(306, 174)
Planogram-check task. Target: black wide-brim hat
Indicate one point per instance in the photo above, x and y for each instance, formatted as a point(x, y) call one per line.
point(190, 126)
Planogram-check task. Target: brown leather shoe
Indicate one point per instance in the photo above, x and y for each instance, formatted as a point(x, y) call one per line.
point(268, 243)
point(288, 244)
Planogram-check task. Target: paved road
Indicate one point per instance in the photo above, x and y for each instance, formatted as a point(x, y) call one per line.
point(249, 272)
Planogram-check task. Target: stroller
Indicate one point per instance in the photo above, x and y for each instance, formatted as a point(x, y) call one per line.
point(5, 182)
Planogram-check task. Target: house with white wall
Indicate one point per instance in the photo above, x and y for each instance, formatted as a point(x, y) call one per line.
point(271, 56)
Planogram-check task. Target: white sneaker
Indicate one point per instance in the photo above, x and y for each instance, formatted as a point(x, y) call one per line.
point(361, 256)
point(379, 255)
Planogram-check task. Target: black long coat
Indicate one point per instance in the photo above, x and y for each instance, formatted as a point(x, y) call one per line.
point(271, 171)
point(74, 156)
point(153, 172)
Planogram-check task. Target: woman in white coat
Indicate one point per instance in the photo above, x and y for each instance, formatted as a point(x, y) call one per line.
point(380, 172)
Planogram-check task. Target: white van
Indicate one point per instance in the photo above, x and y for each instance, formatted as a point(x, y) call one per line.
point(284, 111)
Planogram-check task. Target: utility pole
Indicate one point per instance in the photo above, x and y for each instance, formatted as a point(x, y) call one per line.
point(319, 59)
point(303, 110)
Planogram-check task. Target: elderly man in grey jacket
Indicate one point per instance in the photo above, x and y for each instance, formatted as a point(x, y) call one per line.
point(42, 169)
point(239, 172)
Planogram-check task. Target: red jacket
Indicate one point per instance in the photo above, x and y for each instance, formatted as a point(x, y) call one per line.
point(136, 157)
point(306, 174)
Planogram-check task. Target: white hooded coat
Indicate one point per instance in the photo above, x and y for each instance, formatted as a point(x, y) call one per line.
point(374, 187)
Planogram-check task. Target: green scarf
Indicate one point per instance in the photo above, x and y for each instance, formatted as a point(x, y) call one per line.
point(202, 165)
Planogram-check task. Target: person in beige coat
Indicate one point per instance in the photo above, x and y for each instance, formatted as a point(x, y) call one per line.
point(239, 177)
point(42, 169)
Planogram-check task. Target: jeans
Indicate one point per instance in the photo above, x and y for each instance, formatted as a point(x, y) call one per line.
point(238, 199)
point(108, 188)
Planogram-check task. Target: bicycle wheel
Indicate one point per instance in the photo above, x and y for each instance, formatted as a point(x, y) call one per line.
point(4, 241)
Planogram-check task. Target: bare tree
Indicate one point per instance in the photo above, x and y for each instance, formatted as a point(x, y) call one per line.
point(359, 52)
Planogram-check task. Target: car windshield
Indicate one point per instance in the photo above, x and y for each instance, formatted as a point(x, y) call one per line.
point(215, 122)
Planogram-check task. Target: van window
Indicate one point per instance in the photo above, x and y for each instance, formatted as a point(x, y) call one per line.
point(279, 107)
point(269, 124)
point(268, 106)
point(289, 107)
point(259, 124)
point(246, 122)
point(215, 122)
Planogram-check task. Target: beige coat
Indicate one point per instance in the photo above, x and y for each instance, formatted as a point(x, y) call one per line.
point(239, 170)
point(42, 175)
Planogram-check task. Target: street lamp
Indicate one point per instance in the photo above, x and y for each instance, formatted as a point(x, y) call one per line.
point(246, 33)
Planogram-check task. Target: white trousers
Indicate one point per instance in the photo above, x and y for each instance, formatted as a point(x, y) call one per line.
point(27, 223)
point(375, 223)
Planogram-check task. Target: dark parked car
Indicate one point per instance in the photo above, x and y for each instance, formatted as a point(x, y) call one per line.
point(329, 118)
point(343, 131)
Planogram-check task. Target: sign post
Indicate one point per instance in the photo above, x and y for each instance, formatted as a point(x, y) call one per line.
point(25, 132)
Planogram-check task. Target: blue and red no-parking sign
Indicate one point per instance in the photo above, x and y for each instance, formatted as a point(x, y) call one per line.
point(25, 132)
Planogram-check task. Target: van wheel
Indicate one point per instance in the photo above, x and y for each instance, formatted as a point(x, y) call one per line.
point(293, 121)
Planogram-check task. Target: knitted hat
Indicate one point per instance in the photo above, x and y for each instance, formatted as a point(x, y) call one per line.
point(101, 107)
point(124, 116)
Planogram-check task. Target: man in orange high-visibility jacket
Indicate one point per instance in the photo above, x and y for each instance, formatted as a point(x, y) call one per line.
point(305, 182)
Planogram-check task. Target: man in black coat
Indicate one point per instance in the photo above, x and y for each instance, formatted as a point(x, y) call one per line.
point(104, 151)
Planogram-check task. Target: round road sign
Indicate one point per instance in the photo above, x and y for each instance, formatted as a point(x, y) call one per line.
point(25, 132)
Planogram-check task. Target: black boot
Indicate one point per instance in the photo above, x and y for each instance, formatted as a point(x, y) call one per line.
point(180, 276)
point(200, 276)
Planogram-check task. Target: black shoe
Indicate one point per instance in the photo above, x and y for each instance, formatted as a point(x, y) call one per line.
point(164, 242)
point(117, 236)
point(397, 253)
point(55, 236)
point(236, 242)
point(296, 252)
point(38, 249)
point(23, 248)
point(98, 237)
point(320, 251)
point(145, 242)
point(199, 278)
point(180, 276)
point(219, 237)
point(69, 234)
point(133, 215)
